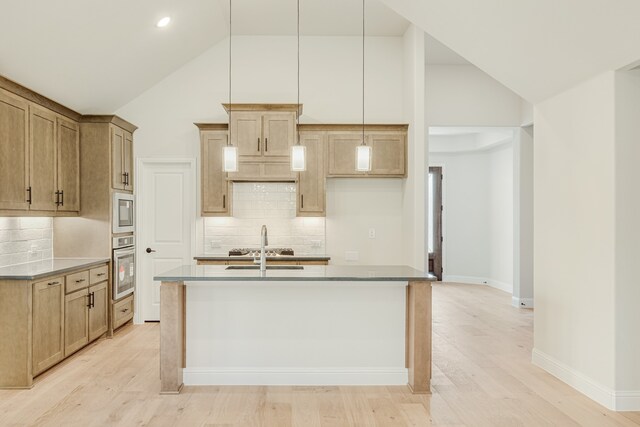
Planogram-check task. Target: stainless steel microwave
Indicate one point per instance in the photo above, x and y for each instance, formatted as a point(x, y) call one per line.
point(123, 213)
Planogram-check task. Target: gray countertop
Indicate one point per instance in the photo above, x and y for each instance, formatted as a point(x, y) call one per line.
point(205, 273)
point(223, 257)
point(38, 269)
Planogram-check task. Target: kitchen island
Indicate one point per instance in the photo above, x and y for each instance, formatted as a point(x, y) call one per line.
point(295, 325)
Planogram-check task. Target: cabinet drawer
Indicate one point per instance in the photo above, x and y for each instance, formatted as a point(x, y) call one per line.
point(77, 281)
point(98, 274)
point(122, 312)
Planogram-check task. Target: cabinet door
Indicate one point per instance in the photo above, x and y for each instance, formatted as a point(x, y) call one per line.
point(246, 133)
point(98, 311)
point(48, 320)
point(279, 133)
point(76, 321)
point(14, 152)
point(117, 149)
point(342, 153)
point(215, 194)
point(42, 159)
point(311, 192)
point(127, 160)
point(387, 153)
point(68, 136)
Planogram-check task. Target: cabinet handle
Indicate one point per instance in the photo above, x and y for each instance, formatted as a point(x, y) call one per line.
point(258, 144)
point(29, 194)
point(53, 283)
point(61, 197)
point(302, 201)
point(124, 311)
point(224, 201)
point(80, 280)
point(57, 193)
point(93, 299)
point(89, 302)
point(100, 274)
point(266, 144)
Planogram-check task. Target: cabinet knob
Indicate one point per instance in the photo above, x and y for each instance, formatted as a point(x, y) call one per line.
point(53, 283)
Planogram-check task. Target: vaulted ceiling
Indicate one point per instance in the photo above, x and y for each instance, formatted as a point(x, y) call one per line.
point(537, 48)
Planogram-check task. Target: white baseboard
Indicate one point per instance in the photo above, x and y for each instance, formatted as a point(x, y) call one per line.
point(479, 281)
point(607, 397)
point(295, 376)
point(522, 302)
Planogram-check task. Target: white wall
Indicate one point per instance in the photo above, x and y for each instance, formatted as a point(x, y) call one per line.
point(574, 270)
point(356, 205)
point(464, 95)
point(627, 233)
point(264, 70)
point(478, 215)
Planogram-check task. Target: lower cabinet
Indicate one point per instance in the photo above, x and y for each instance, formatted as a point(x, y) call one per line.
point(76, 321)
point(122, 311)
point(85, 317)
point(48, 317)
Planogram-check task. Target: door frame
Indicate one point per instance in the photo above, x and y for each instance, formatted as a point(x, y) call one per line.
point(141, 164)
point(439, 217)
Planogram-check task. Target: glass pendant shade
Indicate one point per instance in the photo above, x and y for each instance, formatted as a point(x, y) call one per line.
point(363, 158)
point(298, 158)
point(230, 158)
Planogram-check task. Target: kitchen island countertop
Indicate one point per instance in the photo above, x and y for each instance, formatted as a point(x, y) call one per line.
point(383, 273)
point(223, 257)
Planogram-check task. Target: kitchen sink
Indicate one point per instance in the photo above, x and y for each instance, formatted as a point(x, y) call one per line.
point(269, 267)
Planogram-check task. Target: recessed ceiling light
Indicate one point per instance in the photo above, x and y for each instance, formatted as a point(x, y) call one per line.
point(163, 22)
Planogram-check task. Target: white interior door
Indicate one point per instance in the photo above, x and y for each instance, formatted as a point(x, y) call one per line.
point(166, 201)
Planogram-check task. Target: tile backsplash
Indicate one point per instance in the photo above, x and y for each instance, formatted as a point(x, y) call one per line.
point(272, 204)
point(25, 239)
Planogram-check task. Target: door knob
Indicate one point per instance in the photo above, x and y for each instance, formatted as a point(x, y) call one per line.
point(149, 250)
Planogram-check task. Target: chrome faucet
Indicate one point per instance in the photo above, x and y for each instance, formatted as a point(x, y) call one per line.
point(264, 241)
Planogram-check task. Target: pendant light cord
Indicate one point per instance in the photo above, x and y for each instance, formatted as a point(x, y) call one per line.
point(229, 139)
point(298, 105)
point(363, 143)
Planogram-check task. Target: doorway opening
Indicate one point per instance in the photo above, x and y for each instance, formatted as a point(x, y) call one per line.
point(435, 221)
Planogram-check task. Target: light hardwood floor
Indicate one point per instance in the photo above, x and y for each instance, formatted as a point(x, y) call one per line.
point(482, 377)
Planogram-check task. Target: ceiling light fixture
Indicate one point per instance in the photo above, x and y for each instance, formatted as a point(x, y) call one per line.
point(229, 152)
point(298, 151)
point(363, 151)
point(163, 22)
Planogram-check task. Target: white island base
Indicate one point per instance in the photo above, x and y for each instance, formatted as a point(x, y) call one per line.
point(295, 333)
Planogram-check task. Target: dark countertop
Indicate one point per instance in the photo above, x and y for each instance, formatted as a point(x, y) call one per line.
point(39, 269)
point(223, 257)
point(346, 273)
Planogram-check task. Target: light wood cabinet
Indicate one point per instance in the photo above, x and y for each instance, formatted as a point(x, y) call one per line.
point(68, 165)
point(48, 319)
point(76, 321)
point(279, 130)
point(98, 311)
point(215, 187)
point(122, 311)
point(39, 159)
point(121, 159)
point(311, 182)
point(388, 152)
point(246, 134)
point(42, 159)
point(14, 152)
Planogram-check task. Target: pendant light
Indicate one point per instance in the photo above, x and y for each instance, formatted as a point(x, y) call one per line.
point(363, 151)
point(229, 152)
point(298, 151)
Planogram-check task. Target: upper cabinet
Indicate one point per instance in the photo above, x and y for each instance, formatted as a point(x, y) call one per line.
point(311, 182)
point(264, 134)
point(121, 159)
point(14, 152)
point(39, 159)
point(388, 151)
point(214, 198)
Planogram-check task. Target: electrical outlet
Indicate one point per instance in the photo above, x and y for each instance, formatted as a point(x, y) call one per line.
point(215, 244)
point(372, 233)
point(316, 243)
